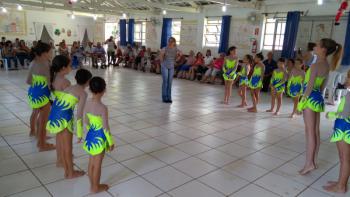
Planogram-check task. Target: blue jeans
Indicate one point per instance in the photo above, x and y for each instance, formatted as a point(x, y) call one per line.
point(9, 61)
point(167, 75)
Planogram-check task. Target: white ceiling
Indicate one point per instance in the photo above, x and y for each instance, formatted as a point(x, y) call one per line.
point(146, 6)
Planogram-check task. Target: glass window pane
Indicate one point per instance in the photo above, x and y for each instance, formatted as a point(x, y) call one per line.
point(270, 28)
point(270, 20)
point(281, 28)
point(277, 41)
point(267, 47)
point(268, 40)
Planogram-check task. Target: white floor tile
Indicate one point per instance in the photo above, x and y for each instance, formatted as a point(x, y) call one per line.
point(11, 165)
point(216, 158)
point(143, 164)
point(170, 155)
point(194, 188)
point(192, 147)
point(36, 192)
point(223, 181)
point(167, 178)
point(245, 170)
point(18, 182)
point(136, 187)
point(194, 167)
point(253, 190)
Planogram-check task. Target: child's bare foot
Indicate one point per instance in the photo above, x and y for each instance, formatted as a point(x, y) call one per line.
point(332, 183)
point(100, 188)
point(46, 147)
point(245, 105)
point(253, 110)
point(292, 116)
point(240, 106)
point(269, 110)
point(75, 174)
point(335, 188)
point(276, 113)
point(307, 170)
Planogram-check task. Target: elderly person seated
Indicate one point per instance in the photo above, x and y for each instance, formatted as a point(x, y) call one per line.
point(98, 53)
point(22, 53)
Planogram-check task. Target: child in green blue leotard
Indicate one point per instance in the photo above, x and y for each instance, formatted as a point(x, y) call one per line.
point(98, 138)
point(341, 135)
point(243, 79)
point(229, 72)
point(295, 84)
point(256, 81)
point(277, 85)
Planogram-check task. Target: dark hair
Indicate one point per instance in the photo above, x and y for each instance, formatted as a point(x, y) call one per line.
point(250, 59)
point(232, 48)
point(58, 63)
point(332, 48)
point(173, 39)
point(97, 85)
point(299, 60)
point(282, 59)
point(310, 46)
point(82, 76)
point(39, 49)
point(260, 56)
point(292, 61)
point(198, 54)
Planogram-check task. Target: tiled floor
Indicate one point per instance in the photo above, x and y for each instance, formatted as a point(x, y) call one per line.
point(195, 147)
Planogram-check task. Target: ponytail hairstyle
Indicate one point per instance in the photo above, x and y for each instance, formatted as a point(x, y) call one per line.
point(39, 49)
point(250, 59)
point(260, 56)
point(334, 48)
point(58, 63)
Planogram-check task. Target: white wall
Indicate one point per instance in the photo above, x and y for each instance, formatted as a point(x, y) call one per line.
point(58, 19)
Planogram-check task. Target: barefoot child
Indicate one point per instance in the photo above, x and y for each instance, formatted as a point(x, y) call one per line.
point(255, 82)
point(243, 79)
point(341, 136)
point(98, 139)
point(277, 85)
point(59, 69)
point(39, 93)
point(295, 84)
point(229, 72)
point(61, 119)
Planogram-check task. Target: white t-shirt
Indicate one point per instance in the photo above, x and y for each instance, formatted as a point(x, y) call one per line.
point(208, 60)
point(110, 46)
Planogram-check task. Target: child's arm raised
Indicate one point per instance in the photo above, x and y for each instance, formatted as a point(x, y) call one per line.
point(80, 116)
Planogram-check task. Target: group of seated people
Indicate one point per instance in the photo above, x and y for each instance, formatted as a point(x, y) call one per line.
point(14, 53)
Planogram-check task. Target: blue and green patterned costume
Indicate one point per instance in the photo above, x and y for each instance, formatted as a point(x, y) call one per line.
point(98, 139)
point(61, 116)
point(341, 130)
point(294, 86)
point(256, 79)
point(315, 100)
point(277, 80)
point(38, 92)
point(229, 69)
point(243, 76)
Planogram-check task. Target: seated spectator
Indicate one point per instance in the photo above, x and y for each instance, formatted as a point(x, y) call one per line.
point(270, 66)
point(3, 42)
point(88, 51)
point(77, 54)
point(199, 62)
point(129, 56)
point(184, 69)
point(98, 53)
point(208, 63)
point(119, 55)
point(214, 70)
point(147, 57)
point(181, 60)
point(155, 64)
point(16, 44)
point(139, 58)
point(63, 49)
point(22, 53)
point(9, 54)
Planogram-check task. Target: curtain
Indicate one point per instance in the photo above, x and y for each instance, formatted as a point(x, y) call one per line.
point(122, 31)
point(131, 28)
point(290, 35)
point(346, 55)
point(166, 32)
point(225, 34)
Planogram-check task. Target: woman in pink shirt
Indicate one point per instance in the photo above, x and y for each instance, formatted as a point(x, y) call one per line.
point(198, 62)
point(215, 69)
